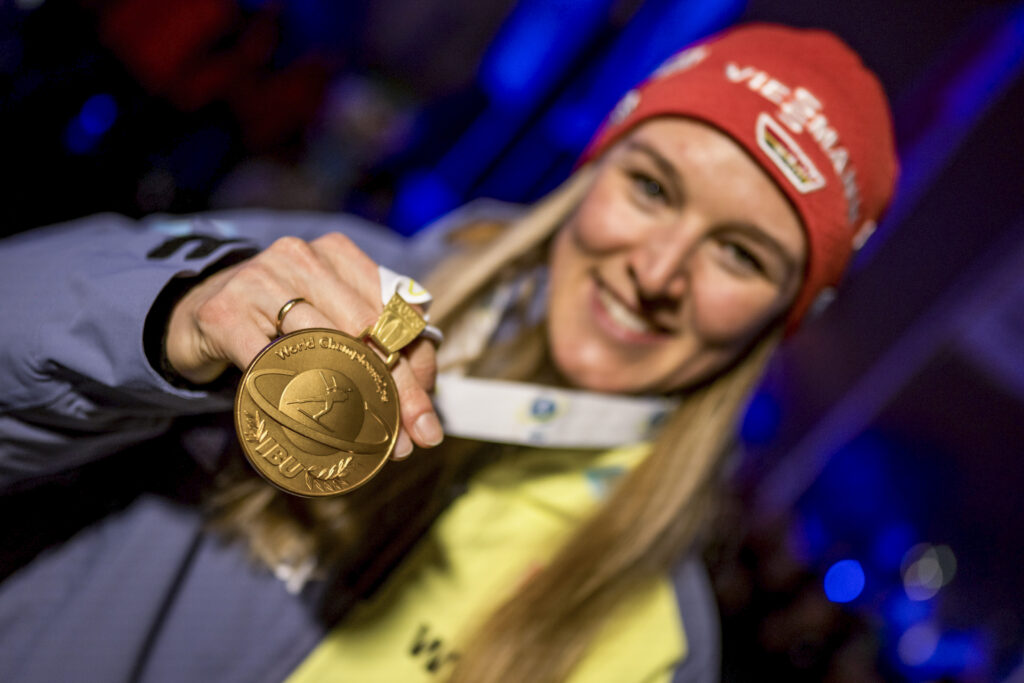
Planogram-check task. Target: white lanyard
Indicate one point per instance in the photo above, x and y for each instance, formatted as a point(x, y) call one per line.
point(537, 415)
point(520, 413)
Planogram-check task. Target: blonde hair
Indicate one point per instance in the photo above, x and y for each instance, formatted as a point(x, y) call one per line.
point(649, 522)
point(653, 517)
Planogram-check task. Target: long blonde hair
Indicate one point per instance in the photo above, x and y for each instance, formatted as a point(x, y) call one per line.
point(653, 517)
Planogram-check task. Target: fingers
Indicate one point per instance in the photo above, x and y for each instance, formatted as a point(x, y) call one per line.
point(232, 316)
point(332, 273)
point(422, 359)
point(414, 377)
point(418, 417)
point(208, 330)
point(350, 262)
point(403, 446)
point(303, 316)
point(350, 269)
point(238, 318)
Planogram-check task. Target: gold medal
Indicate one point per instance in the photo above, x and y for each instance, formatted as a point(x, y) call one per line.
point(317, 410)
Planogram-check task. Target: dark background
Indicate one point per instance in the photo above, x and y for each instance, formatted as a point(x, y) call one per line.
point(874, 533)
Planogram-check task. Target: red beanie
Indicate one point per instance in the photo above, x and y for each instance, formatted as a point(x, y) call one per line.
point(806, 109)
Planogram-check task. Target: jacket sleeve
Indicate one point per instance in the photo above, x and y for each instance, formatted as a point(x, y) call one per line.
point(701, 623)
point(76, 380)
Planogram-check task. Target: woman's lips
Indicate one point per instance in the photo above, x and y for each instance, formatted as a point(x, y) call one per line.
point(619, 320)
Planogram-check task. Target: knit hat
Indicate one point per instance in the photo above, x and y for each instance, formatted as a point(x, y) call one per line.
point(805, 107)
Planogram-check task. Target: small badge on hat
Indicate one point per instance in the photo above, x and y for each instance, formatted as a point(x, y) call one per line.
point(787, 155)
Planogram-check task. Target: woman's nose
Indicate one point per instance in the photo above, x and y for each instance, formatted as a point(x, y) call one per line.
point(660, 265)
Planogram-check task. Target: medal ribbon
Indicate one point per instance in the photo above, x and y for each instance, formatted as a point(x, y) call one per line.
point(537, 415)
point(521, 413)
point(412, 292)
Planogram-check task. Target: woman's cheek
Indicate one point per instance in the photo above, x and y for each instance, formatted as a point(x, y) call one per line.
point(726, 310)
point(576, 354)
point(603, 224)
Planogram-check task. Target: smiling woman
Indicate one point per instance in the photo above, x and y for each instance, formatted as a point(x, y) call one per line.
point(599, 347)
point(665, 274)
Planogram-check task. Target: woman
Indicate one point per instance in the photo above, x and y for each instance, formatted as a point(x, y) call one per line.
point(714, 206)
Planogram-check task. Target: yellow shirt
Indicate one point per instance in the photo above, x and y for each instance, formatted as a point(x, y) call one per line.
point(514, 516)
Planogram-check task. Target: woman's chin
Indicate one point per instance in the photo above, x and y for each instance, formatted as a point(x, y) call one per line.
point(594, 371)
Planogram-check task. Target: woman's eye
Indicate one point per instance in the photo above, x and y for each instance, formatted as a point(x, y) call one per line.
point(743, 257)
point(648, 187)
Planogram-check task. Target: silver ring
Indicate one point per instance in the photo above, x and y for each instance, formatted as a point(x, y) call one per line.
point(288, 305)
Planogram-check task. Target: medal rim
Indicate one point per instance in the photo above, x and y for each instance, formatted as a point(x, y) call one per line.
point(378, 363)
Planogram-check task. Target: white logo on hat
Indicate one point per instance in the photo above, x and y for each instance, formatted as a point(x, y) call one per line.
point(681, 61)
point(822, 301)
point(802, 112)
point(625, 107)
point(867, 229)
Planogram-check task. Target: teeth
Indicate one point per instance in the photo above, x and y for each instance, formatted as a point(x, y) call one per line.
point(622, 315)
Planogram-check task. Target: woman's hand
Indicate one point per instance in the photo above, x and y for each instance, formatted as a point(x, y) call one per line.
point(232, 315)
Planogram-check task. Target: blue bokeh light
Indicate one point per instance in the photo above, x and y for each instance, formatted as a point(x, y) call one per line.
point(960, 652)
point(421, 198)
point(762, 419)
point(813, 534)
point(900, 612)
point(657, 30)
point(92, 122)
point(535, 45)
point(77, 140)
point(98, 114)
point(844, 581)
point(858, 492)
point(520, 61)
point(892, 543)
point(926, 652)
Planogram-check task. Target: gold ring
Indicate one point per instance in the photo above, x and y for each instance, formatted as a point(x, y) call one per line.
point(288, 305)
